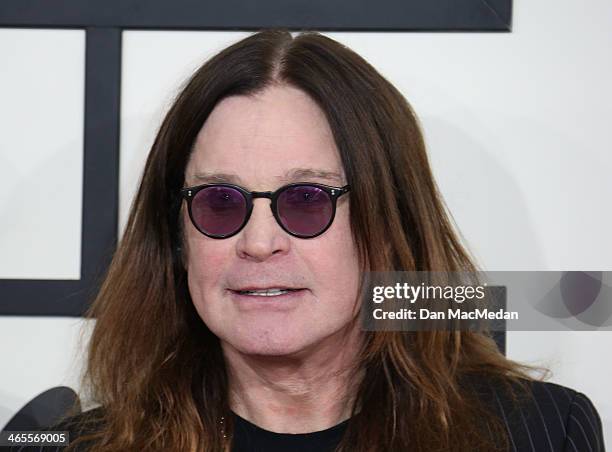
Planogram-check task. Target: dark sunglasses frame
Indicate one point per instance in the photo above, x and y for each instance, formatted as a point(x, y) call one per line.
point(334, 193)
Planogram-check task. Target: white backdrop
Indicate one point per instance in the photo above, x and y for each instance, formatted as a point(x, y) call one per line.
point(517, 126)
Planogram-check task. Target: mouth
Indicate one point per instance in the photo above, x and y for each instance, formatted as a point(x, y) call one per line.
point(268, 299)
point(266, 292)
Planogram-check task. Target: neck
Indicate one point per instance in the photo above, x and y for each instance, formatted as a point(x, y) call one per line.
point(307, 391)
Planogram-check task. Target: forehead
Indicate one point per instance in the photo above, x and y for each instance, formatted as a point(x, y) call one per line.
point(265, 137)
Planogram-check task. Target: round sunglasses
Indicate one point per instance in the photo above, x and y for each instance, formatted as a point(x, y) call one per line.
point(304, 210)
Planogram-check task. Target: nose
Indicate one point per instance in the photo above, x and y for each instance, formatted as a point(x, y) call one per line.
point(262, 236)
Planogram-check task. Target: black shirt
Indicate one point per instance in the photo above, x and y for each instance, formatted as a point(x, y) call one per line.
point(248, 437)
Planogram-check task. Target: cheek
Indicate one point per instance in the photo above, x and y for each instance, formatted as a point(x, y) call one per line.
point(336, 266)
point(205, 260)
point(344, 247)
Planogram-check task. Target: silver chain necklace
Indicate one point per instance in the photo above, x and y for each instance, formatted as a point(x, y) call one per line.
point(222, 423)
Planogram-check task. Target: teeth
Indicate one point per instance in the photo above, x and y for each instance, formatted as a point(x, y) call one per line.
point(265, 293)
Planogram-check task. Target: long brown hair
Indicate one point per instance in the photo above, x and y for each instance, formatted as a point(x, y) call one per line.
point(156, 368)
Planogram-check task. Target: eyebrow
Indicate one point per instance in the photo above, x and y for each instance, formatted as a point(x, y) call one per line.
point(293, 175)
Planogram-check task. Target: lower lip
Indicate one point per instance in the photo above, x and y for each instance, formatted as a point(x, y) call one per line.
point(284, 301)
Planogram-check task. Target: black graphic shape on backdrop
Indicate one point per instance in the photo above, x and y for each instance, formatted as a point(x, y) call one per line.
point(44, 410)
point(104, 22)
point(100, 191)
point(383, 15)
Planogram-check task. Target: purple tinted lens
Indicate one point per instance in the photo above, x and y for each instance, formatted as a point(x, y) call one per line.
point(305, 210)
point(218, 210)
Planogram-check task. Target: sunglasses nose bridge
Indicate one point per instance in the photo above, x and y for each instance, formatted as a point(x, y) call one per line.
point(264, 194)
point(261, 194)
point(262, 216)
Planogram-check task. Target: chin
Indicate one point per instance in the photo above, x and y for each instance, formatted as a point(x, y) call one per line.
point(266, 343)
